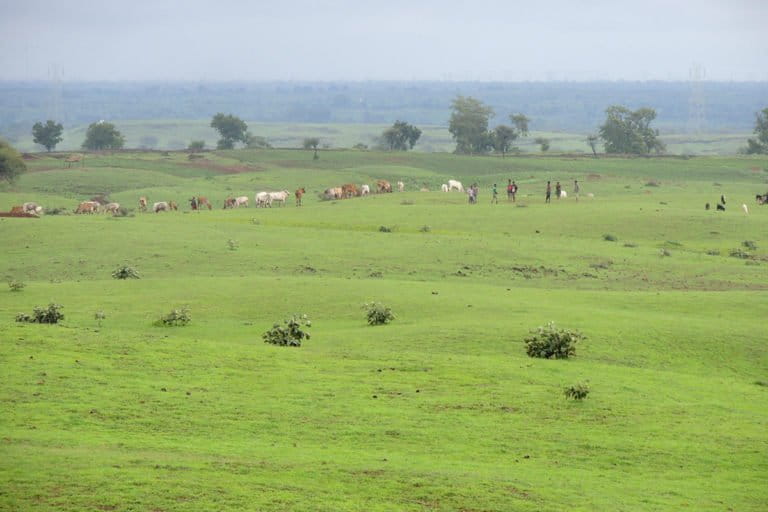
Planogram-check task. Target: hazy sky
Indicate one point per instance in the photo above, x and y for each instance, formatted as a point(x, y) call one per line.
point(383, 40)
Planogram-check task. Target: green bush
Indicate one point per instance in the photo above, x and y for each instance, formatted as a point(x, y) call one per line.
point(749, 244)
point(378, 313)
point(15, 285)
point(609, 238)
point(738, 253)
point(289, 335)
point(549, 342)
point(42, 315)
point(176, 318)
point(125, 272)
point(385, 229)
point(577, 392)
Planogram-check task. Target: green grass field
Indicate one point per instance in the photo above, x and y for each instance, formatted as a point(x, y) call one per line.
point(440, 410)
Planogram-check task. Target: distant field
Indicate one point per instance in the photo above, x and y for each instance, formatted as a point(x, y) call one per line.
point(441, 410)
point(176, 134)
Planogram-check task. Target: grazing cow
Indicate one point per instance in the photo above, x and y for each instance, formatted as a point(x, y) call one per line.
point(203, 201)
point(173, 206)
point(365, 190)
point(161, 206)
point(30, 207)
point(279, 197)
point(87, 207)
point(299, 194)
point(262, 199)
point(762, 199)
point(229, 203)
point(455, 185)
point(400, 186)
point(333, 193)
point(383, 186)
point(444, 187)
point(241, 201)
point(112, 208)
point(143, 204)
point(348, 190)
point(746, 210)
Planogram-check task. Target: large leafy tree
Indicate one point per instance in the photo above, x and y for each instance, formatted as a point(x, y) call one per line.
point(11, 163)
point(231, 128)
point(401, 136)
point(48, 134)
point(469, 125)
point(103, 135)
point(503, 137)
point(759, 145)
point(627, 131)
point(312, 143)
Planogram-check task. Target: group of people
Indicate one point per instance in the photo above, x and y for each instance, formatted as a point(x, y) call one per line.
point(512, 190)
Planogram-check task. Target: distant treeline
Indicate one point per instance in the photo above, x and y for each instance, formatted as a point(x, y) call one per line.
point(552, 106)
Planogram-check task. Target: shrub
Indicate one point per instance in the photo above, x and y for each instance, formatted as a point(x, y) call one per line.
point(713, 252)
point(664, 252)
point(378, 313)
point(177, 317)
point(425, 229)
point(59, 210)
point(609, 238)
point(653, 183)
point(577, 392)
point(738, 253)
point(16, 286)
point(125, 272)
point(749, 244)
point(549, 342)
point(232, 245)
point(385, 229)
point(123, 212)
point(99, 316)
point(41, 315)
point(289, 335)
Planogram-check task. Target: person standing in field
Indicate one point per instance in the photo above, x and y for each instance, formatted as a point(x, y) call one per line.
point(549, 192)
point(514, 191)
point(510, 194)
point(576, 190)
point(495, 195)
point(558, 189)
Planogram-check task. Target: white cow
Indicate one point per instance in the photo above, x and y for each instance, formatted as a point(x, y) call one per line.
point(444, 187)
point(241, 201)
point(365, 190)
point(262, 199)
point(31, 207)
point(279, 197)
point(455, 185)
point(112, 208)
point(400, 186)
point(161, 206)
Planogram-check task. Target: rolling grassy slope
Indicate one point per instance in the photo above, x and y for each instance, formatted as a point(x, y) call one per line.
point(442, 409)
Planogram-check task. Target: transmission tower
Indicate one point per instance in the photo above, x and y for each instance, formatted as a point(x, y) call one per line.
point(696, 100)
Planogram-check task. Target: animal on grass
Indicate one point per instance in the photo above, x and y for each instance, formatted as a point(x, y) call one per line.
point(746, 210)
point(444, 187)
point(299, 194)
point(455, 185)
point(720, 207)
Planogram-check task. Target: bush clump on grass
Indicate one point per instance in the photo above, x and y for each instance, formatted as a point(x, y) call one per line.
point(609, 237)
point(749, 244)
point(549, 342)
point(125, 272)
point(289, 335)
point(59, 210)
point(738, 253)
point(176, 318)
point(377, 313)
point(385, 229)
point(15, 285)
point(43, 315)
point(577, 392)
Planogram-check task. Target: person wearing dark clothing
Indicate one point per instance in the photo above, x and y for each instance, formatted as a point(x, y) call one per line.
point(558, 189)
point(510, 194)
point(549, 192)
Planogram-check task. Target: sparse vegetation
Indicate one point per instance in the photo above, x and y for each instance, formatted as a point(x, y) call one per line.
point(610, 238)
point(377, 313)
point(16, 285)
point(549, 342)
point(577, 392)
point(43, 315)
point(125, 272)
point(176, 318)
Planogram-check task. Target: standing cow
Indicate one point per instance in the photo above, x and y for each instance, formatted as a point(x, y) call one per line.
point(383, 186)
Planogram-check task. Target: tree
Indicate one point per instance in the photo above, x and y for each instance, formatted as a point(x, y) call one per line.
point(103, 135)
point(592, 141)
point(760, 144)
point(256, 142)
point(401, 136)
point(543, 143)
point(521, 123)
point(469, 125)
point(11, 163)
point(625, 131)
point(232, 129)
point(48, 134)
point(312, 143)
point(502, 137)
point(196, 146)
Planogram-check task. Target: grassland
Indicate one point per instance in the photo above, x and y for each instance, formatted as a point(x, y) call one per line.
point(442, 409)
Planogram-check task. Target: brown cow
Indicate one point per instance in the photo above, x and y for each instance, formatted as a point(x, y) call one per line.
point(230, 202)
point(143, 203)
point(383, 186)
point(173, 206)
point(349, 190)
point(203, 201)
point(87, 207)
point(299, 194)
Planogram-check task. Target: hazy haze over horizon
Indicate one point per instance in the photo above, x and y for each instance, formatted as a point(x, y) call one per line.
point(486, 40)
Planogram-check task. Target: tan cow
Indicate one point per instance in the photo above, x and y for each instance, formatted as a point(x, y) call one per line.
point(383, 186)
point(143, 204)
point(349, 190)
point(87, 207)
